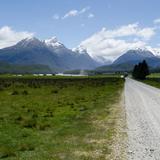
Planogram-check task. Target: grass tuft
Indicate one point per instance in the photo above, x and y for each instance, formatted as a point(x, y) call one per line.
point(6, 151)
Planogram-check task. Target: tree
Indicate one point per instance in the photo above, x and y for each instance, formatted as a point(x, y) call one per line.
point(141, 70)
point(134, 73)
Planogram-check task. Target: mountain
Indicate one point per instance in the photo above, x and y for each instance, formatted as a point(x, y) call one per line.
point(51, 53)
point(71, 59)
point(134, 56)
point(54, 43)
point(29, 51)
point(127, 61)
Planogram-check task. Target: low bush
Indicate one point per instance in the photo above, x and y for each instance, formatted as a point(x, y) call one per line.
point(54, 91)
point(25, 92)
point(43, 126)
point(26, 147)
point(6, 151)
point(15, 93)
point(28, 122)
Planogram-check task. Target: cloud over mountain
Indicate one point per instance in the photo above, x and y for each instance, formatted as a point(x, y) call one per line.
point(112, 43)
point(9, 37)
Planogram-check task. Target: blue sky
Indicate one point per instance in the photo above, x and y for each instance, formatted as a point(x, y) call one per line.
point(74, 21)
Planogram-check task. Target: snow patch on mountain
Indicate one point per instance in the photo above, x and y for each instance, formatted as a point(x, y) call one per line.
point(53, 42)
point(155, 51)
point(29, 42)
point(80, 50)
point(142, 52)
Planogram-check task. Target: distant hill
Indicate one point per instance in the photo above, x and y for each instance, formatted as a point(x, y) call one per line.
point(116, 68)
point(22, 69)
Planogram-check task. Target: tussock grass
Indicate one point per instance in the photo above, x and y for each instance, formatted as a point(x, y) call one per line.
point(58, 119)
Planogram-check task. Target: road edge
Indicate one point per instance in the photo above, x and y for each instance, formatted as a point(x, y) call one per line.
point(121, 137)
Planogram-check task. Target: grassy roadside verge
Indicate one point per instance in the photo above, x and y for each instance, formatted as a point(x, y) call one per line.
point(59, 119)
point(155, 82)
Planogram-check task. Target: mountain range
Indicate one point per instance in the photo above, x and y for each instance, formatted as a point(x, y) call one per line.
point(51, 53)
point(32, 55)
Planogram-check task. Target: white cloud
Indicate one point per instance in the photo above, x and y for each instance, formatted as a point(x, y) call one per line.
point(146, 33)
point(129, 30)
point(56, 17)
point(71, 13)
point(9, 37)
point(157, 21)
point(74, 12)
point(91, 15)
point(112, 43)
point(84, 10)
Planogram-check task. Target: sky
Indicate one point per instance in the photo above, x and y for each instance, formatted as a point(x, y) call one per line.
point(105, 28)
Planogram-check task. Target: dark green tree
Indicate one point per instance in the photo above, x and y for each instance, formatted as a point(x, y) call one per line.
point(134, 73)
point(141, 70)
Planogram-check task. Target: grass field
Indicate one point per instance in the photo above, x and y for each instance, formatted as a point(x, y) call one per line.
point(153, 79)
point(58, 118)
point(155, 82)
point(154, 75)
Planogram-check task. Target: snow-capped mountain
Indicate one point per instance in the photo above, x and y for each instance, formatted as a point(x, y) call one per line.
point(134, 56)
point(51, 53)
point(70, 57)
point(80, 50)
point(29, 51)
point(54, 43)
point(127, 61)
point(155, 51)
point(29, 42)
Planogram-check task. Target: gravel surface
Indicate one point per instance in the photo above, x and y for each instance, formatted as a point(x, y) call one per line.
point(142, 104)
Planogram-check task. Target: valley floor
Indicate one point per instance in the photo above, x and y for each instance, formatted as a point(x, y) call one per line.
point(61, 118)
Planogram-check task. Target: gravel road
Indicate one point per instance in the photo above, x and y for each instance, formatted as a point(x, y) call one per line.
point(142, 104)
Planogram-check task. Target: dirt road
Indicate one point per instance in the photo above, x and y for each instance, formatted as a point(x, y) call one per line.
point(142, 104)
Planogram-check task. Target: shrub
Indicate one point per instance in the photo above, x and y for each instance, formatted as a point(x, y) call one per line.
point(34, 85)
point(15, 93)
point(25, 134)
point(83, 109)
point(6, 85)
point(54, 91)
point(43, 126)
point(18, 118)
point(26, 147)
point(6, 151)
point(48, 114)
point(25, 92)
point(28, 122)
point(23, 106)
point(1, 88)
